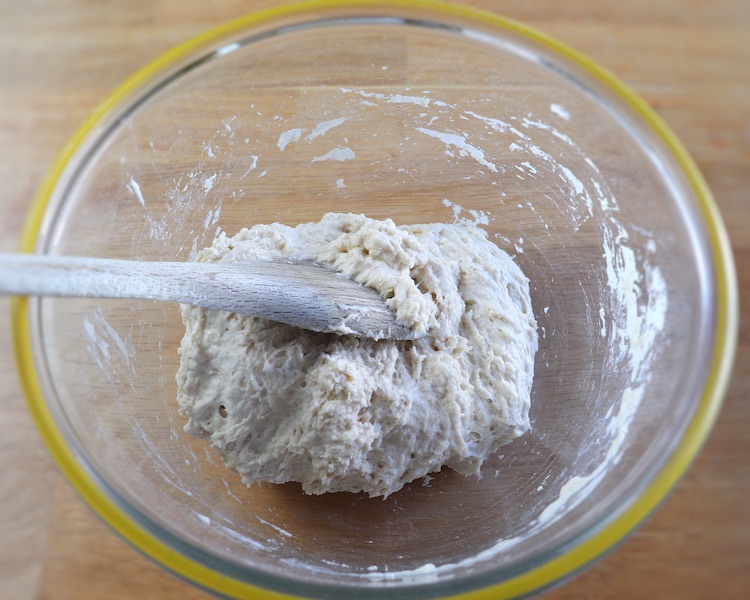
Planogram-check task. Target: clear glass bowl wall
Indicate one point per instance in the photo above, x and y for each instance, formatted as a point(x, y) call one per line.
point(417, 123)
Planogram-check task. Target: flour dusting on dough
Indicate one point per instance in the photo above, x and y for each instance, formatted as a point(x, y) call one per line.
point(338, 413)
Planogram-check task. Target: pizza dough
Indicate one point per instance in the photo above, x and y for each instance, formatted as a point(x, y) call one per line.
point(338, 413)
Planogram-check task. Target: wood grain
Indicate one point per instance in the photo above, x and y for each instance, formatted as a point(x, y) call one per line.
point(687, 58)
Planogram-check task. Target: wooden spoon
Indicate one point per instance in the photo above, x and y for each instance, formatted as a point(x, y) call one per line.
point(299, 293)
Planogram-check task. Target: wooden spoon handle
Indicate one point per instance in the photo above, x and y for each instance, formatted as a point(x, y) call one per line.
point(42, 275)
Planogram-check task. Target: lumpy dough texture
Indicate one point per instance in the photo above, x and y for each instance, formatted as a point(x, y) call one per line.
point(337, 413)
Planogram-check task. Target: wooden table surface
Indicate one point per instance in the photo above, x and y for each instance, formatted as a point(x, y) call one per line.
point(689, 59)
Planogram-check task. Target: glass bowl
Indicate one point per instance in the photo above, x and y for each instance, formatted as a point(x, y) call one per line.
point(420, 112)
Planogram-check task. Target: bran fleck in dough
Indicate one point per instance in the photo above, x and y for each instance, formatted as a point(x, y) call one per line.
point(338, 413)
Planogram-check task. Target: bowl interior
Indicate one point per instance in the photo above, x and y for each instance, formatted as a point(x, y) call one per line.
point(418, 120)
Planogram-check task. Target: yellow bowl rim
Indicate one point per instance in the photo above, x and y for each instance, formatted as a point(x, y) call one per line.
point(525, 583)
